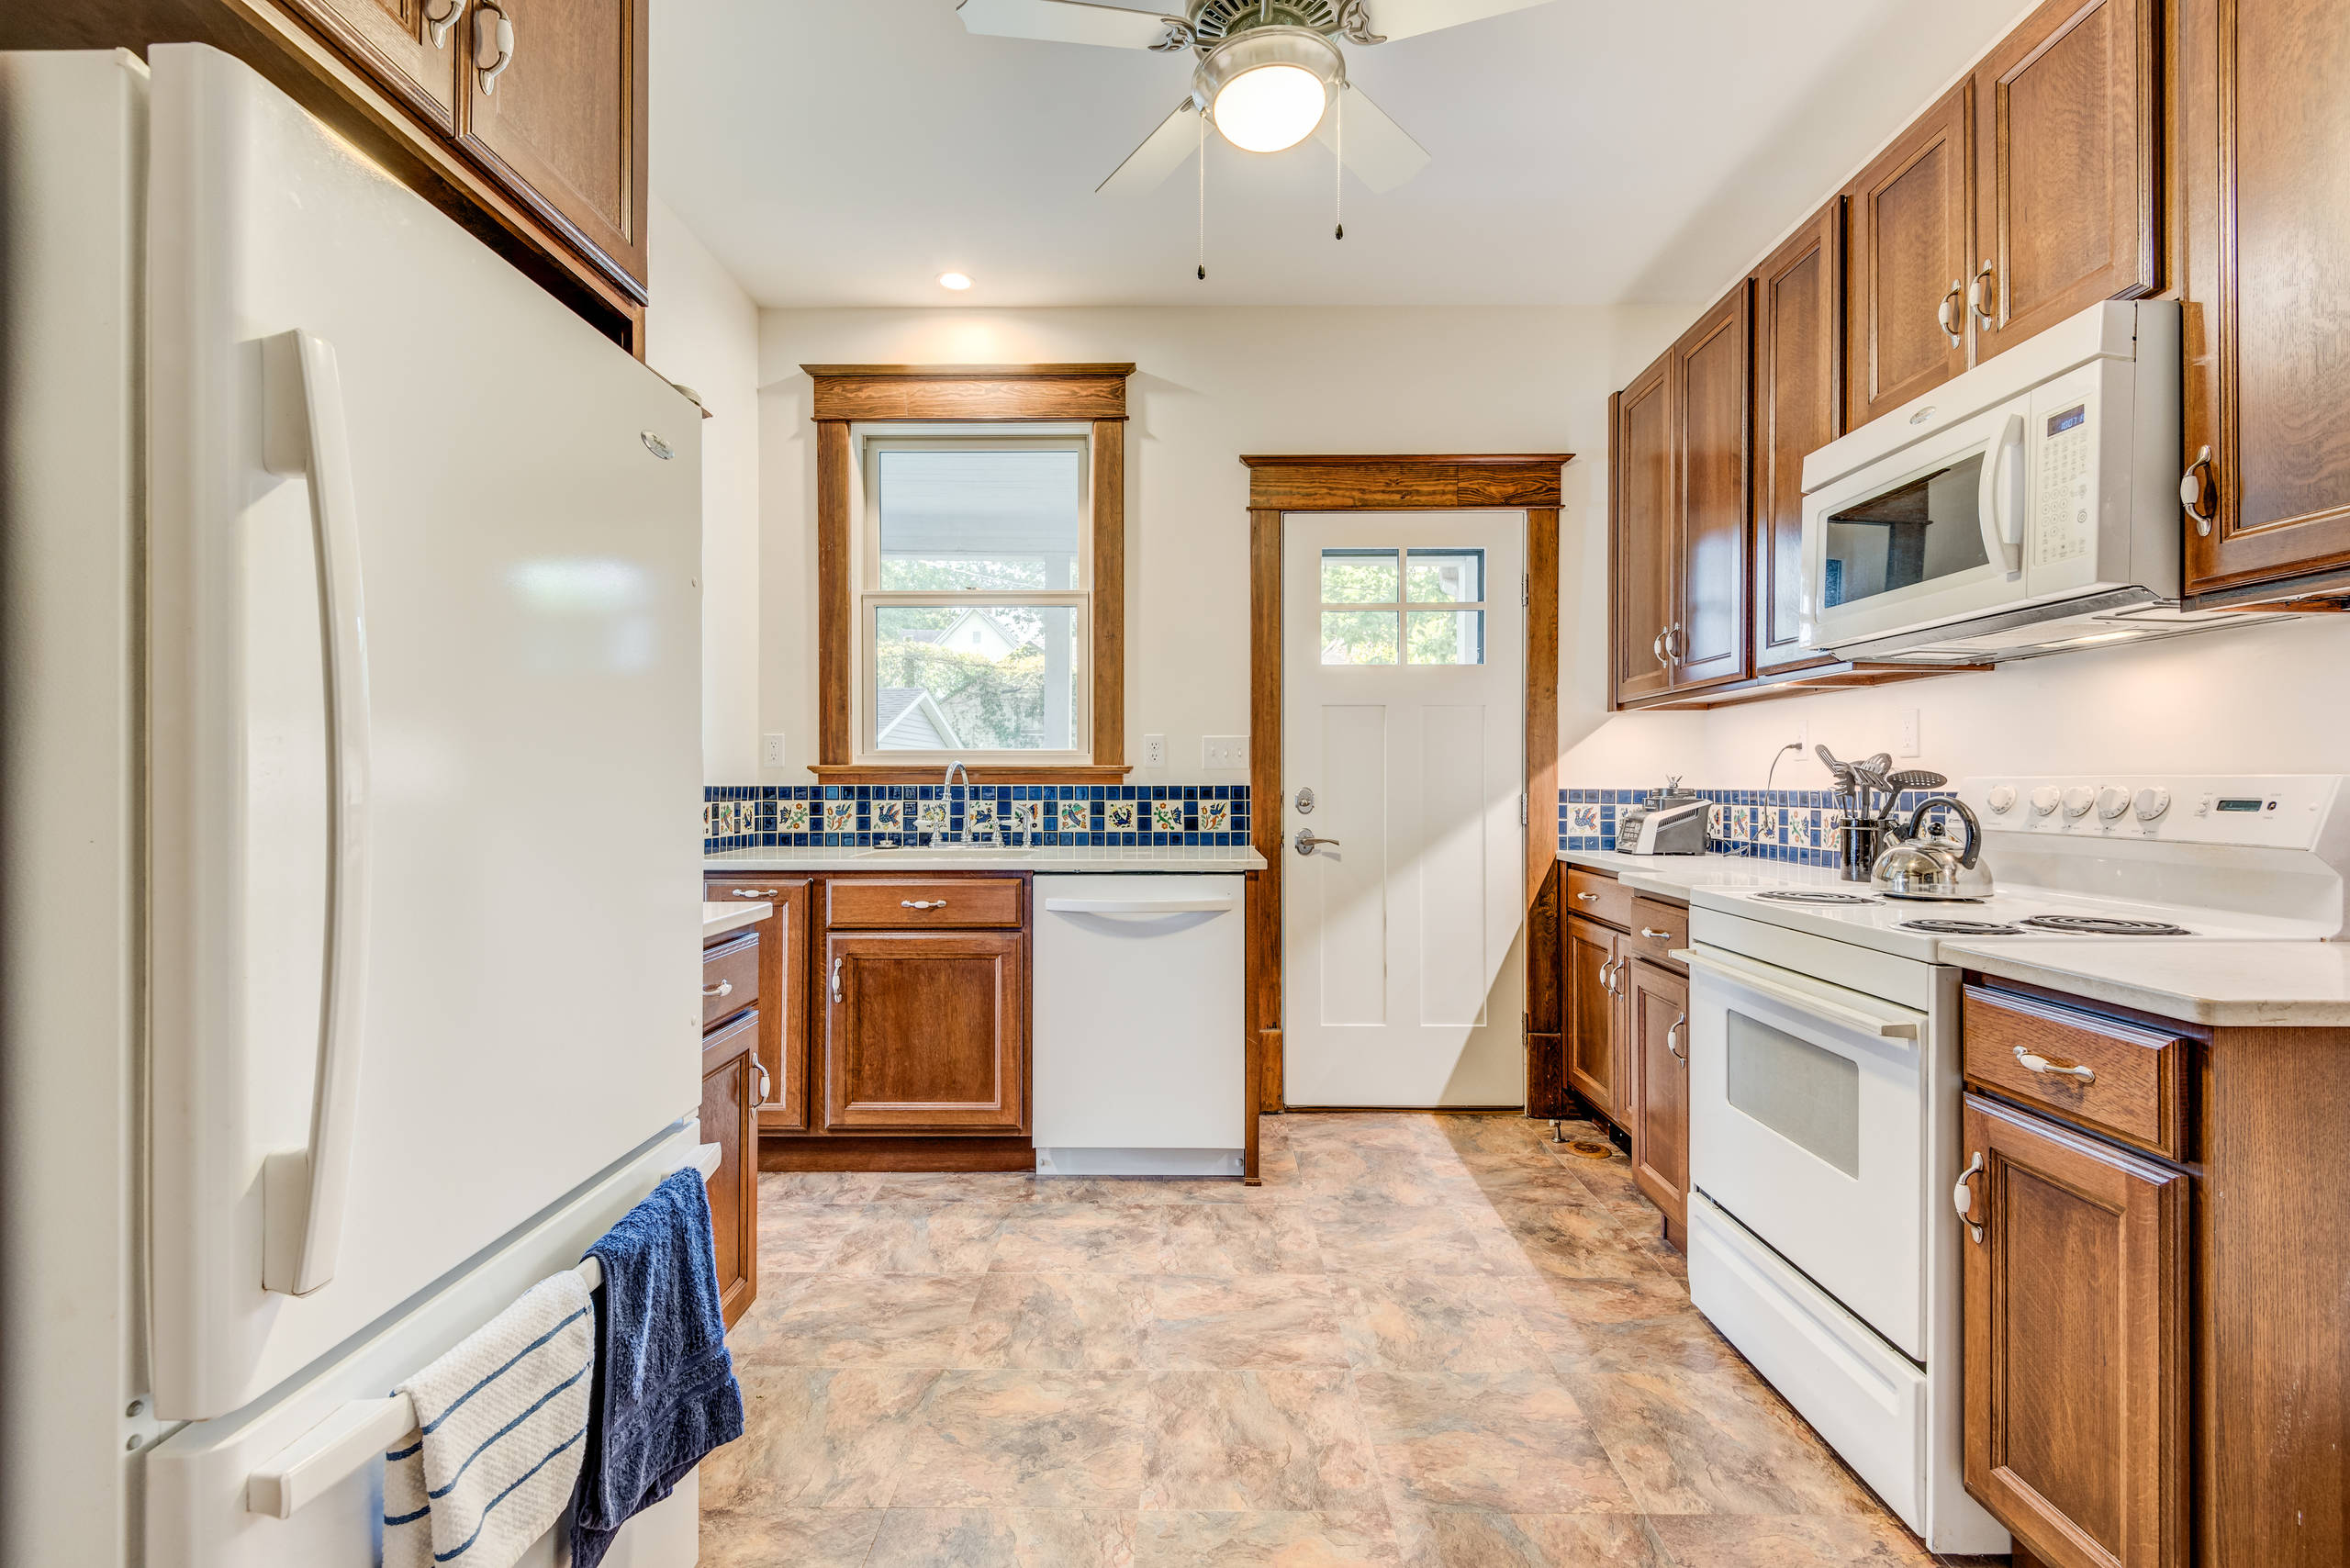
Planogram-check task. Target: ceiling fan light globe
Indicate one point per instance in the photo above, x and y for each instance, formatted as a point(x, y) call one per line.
point(1270, 108)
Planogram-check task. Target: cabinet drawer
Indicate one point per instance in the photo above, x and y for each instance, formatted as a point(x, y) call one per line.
point(941, 902)
point(2124, 1080)
point(1596, 896)
point(747, 887)
point(730, 977)
point(1657, 929)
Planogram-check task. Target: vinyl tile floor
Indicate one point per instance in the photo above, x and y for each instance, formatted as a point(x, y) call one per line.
point(1426, 1341)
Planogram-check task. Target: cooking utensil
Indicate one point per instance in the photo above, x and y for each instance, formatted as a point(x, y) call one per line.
point(1917, 778)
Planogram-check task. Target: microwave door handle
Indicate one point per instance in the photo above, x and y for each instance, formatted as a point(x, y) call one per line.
point(2002, 499)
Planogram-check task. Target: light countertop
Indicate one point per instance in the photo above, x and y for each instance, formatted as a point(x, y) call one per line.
point(2225, 984)
point(1675, 876)
point(718, 919)
point(1057, 859)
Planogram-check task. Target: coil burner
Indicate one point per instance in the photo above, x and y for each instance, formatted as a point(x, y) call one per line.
point(1804, 895)
point(2105, 926)
point(1964, 927)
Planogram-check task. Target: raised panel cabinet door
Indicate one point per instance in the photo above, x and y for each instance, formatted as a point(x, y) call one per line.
point(2065, 139)
point(2265, 135)
point(411, 48)
point(783, 988)
point(1799, 408)
point(561, 120)
point(1904, 307)
point(1641, 550)
point(1707, 638)
point(1593, 1049)
point(729, 1099)
point(2076, 1357)
point(1659, 1041)
point(926, 1032)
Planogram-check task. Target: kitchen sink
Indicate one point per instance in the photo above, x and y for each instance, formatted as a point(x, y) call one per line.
point(997, 850)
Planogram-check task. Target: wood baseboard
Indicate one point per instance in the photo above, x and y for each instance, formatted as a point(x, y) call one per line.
point(896, 1153)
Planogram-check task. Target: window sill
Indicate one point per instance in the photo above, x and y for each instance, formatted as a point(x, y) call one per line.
point(982, 773)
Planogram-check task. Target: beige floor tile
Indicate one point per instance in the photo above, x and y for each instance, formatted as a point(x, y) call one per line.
point(1075, 1238)
point(1487, 1537)
point(1578, 1240)
point(1712, 1443)
point(1513, 1442)
point(906, 1320)
point(1264, 1539)
point(1004, 1538)
point(1369, 1238)
point(1418, 1322)
point(798, 1238)
point(1238, 1238)
point(1031, 1440)
point(1231, 1322)
point(935, 1238)
point(816, 1437)
point(1289, 1440)
point(1057, 1323)
point(1719, 1540)
point(804, 1537)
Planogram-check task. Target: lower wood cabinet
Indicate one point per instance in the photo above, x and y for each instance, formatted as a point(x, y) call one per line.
point(926, 1032)
point(730, 1098)
point(782, 987)
point(1657, 1009)
point(2077, 1363)
point(1626, 1018)
point(1598, 1062)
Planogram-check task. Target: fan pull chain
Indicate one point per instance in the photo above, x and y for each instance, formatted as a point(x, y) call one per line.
point(1339, 170)
point(1203, 196)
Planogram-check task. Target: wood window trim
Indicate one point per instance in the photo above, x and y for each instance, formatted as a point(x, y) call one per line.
point(1095, 394)
point(1518, 482)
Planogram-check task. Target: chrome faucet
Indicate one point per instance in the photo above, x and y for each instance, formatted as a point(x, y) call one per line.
point(946, 787)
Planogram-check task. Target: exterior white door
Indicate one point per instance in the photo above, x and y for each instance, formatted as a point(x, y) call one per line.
point(1402, 647)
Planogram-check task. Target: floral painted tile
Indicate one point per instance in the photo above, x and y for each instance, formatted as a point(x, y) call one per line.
point(1121, 816)
point(791, 816)
point(840, 816)
point(888, 816)
point(1716, 823)
point(708, 819)
point(1216, 816)
point(978, 818)
point(1073, 816)
point(930, 816)
point(1584, 818)
point(1027, 816)
point(1167, 817)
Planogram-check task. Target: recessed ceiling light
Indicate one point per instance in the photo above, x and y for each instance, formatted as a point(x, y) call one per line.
point(954, 281)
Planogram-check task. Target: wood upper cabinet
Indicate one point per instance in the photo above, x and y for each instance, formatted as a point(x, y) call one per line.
point(729, 1096)
point(926, 1032)
point(561, 121)
point(1658, 1019)
point(2064, 165)
point(783, 987)
point(2265, 143)
point(1706, 636)
point(1799, 408)
point(1598, 1060)
point(1905, 308)
point(1641, 470)
point(2075, 1351)
point(395, 41)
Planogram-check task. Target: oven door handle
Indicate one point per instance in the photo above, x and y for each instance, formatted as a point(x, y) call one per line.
point(1763, 979)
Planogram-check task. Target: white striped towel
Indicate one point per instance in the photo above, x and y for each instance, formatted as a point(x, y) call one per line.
point(501, 1424)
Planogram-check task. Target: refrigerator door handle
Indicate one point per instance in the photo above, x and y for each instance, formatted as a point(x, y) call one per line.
point(304, 1189)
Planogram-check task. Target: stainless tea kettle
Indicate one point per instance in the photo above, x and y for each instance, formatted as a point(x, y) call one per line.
point(1924, 863)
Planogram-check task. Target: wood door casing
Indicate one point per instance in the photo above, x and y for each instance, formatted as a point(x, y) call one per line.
point(926, 1032)
point(1596, 1063)
point(783, 987)
point(2264, 121)
point(1910, 232)
point(2075, 1355)
point(563, 125)
point(2064, 173)
point(1710, 395)
point(1659, 1035)
point(393, 41)
point(1799, 408)
point(1641, 471)
point(729, 1095)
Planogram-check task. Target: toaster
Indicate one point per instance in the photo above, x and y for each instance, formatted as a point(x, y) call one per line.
point(1667, 823)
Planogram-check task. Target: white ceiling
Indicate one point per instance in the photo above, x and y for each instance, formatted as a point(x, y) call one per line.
point(1586, 152)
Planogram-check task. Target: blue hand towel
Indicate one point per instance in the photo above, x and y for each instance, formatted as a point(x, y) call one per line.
point(665, 1392)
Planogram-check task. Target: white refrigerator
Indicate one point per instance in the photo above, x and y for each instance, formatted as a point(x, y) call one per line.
point(351, 697)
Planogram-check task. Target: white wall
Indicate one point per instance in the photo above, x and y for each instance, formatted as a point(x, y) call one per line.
point(703, 330)
point(1211, 384)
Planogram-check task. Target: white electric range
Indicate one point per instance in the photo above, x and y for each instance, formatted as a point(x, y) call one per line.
point(1824, 1082)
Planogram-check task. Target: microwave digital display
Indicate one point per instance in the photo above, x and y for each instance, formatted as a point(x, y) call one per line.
point(2059, 423)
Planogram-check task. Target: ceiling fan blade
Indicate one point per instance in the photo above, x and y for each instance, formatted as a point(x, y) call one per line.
point(1067, 21)
point(1408, 18)
point(1380, 152)
point(1162, 153)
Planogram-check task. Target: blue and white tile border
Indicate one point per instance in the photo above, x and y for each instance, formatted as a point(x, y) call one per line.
point(1120, 816)
point(1788, 825)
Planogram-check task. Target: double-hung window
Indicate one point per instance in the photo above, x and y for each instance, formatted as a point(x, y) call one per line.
point(974, 598)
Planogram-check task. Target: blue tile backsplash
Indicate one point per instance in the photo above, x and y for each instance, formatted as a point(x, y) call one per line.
point(1789, 825)
point(1102, 816)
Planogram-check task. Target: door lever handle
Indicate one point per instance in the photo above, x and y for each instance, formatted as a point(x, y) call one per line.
point(1306, 842)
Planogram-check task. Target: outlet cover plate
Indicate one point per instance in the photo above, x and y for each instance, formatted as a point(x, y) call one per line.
point(1154, 751)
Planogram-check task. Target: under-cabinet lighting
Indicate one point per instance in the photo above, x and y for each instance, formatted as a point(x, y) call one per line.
point(956, 281)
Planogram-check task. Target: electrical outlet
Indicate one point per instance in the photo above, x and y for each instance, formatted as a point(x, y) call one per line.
point(1802, 736)
point(1224, 751)
point(1909, 732)
point(771, 754)
point(1154, 751)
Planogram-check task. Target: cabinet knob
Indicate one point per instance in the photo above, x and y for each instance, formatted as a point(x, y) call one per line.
point(493, 46)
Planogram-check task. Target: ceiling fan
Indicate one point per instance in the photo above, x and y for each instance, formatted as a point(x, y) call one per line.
point(1267, 73)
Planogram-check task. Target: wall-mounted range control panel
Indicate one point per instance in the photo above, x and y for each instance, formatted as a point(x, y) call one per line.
point(2280, 811)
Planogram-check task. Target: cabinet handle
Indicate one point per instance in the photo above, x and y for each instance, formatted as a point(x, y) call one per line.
point(494, 38)
point(836, 980)
point(723, 988)
point(1607, 975)
point(1653, 935)
point(1961, 1198)
point(753, 893)
point(1656, 647)
point(1983, 295)
point(2199, 493)
point(1673, 1034)
point(922, 903)
point(765, 1085)
point(1946, 313)
point(1672, 650)
point(2033, 1062)
point(442, 16)
point(1587, 898)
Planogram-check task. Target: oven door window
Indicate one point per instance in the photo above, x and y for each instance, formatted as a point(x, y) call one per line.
point(1809, 1096)
point(1917, 531)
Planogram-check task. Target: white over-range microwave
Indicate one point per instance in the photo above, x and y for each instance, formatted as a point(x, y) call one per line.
point(2027, 506)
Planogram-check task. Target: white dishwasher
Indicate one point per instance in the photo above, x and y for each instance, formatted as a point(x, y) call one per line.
point(1139, 1056)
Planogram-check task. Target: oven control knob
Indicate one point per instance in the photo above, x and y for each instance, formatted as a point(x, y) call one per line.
point(2044, 799)
point(2078, 800)
point(2002, 798)
point(2111, 802)
point(2152, 803)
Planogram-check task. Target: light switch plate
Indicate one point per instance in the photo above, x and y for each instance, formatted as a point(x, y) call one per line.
point(771, 751)
point(1224, 751)
point(1154, 751)
point(1909, 732)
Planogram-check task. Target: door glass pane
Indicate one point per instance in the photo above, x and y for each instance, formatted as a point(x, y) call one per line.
point(975, 677)
point(1444, 636)
point(1809, 1096)
point(1359, 577)
point(1445, 577)
point(1357, 636)
point(1912, 533)
point(965, 519)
